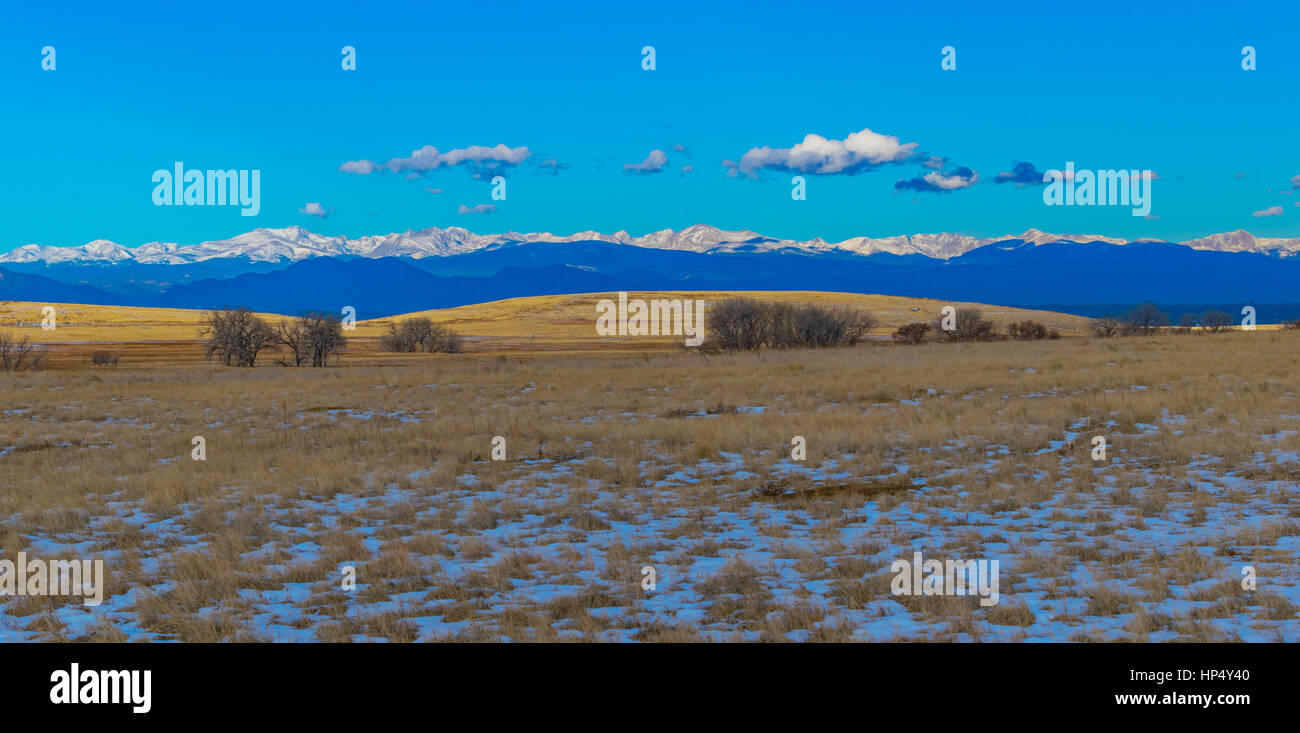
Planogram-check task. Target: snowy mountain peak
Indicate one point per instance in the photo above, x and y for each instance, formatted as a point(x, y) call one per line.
point(1038, 236)
point(295, 243)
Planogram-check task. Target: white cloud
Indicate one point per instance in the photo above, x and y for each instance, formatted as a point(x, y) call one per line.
point(940, 182)
point(477, 209)
point(951, 182)
point(360, 167)
point(653, 163)
point(428, 158)
point(818, 155)
point(1270, 211)
point(314, 209)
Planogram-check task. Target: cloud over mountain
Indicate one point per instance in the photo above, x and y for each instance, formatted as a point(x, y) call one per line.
point(940, 182)
point(859, 151)
point(1022, 174)
point(479, 158)
point(653, 163)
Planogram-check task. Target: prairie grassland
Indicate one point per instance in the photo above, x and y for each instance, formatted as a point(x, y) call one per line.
point(570, 318)
point(104, 323)
point(677, 462)
point(549, 324)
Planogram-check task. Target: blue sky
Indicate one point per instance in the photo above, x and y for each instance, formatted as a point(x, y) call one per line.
point(259, 86)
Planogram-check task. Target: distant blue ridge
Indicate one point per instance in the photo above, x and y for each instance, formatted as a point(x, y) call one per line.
point(1088, 279)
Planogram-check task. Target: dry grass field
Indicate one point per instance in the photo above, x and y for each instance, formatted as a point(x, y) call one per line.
point(670, 460)
point(568, 319)
point(554, 324)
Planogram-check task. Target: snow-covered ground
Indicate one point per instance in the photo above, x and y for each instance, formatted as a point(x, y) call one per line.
point(742, 540)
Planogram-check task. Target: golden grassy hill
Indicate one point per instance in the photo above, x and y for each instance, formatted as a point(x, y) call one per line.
point(104, 323)
point(547, 317)
point(573, 317)
point(551, 324)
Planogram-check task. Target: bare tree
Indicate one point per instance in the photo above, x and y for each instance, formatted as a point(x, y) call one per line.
point(969, 324)
point(311, 338)
point(17, 354)
point(1216, 321)
point(236, 337)
point(1186, 323)
point(855, 325)
point(1106, 326)
point(324, 337)
point(293, 336)
point(1143, 320)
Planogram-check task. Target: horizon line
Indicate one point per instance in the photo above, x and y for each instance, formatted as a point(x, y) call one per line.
point(990, 238)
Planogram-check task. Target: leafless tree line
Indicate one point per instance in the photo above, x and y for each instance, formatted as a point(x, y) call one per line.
point(1148, 319)
point(1209, 322)
point(969, 324)
point(743, 324)
point(1031, 331)
point(235, 337)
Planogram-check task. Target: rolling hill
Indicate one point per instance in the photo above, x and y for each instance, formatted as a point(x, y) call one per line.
point(550, 319)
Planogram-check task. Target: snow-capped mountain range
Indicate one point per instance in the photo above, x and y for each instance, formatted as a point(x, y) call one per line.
point(296, 243)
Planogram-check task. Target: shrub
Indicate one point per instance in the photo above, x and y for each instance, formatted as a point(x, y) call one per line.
point(816, 326)
point(420, 334)
point(1031, 330)
point(1106, 327)
point(913, 333)
point(737, 324)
